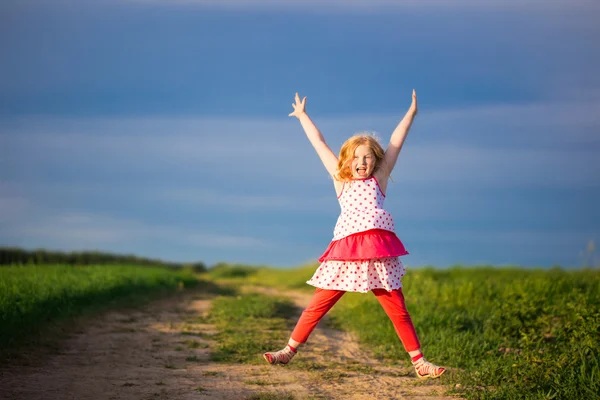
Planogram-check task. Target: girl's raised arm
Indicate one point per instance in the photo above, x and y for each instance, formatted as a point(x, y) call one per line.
point(327, 156)
point(398, 137)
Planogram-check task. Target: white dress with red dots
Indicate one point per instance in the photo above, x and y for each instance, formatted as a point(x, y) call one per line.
point(363, 254)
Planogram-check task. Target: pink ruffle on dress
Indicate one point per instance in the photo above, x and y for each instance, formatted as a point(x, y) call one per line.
point(374, 243)
point(363, 254)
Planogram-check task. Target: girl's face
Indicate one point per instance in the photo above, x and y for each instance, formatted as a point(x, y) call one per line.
point(363, 162)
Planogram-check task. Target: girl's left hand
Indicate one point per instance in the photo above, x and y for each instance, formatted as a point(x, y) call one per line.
point(413, 105)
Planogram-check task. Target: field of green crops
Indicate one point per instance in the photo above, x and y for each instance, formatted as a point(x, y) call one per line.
point(31, 297)
point(504, 332)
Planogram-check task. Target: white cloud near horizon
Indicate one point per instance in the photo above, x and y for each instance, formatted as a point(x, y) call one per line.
point(32, 219)
point(87, 230)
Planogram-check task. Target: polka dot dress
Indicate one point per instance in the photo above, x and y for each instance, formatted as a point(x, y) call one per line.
point(362, 210)
point(359, 276)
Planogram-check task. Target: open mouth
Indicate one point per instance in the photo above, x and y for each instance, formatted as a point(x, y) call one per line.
point(361, 171)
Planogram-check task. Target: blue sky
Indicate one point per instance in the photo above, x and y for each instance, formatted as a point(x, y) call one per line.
point(160, 128)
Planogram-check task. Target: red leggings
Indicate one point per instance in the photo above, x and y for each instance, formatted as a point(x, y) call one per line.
point(392, 302)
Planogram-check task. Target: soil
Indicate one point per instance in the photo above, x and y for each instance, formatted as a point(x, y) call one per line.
point(141, 354)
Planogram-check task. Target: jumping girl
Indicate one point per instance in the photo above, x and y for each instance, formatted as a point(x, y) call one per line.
point(363, 255)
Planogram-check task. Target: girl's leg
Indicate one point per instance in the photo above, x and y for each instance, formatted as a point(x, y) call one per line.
point(394, 306)
point(320, 304)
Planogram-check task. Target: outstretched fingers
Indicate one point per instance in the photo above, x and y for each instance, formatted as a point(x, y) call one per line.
point(298, 106)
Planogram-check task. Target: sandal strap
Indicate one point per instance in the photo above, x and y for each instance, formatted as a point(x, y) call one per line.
point(425, 368)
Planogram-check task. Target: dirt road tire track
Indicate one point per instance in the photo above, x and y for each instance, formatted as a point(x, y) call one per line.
point(152, 352)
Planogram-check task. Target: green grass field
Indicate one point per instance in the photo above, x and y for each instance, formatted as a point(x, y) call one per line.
point(33, 297)
point(504, 332)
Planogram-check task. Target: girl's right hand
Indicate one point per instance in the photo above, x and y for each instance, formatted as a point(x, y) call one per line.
point(299, 107)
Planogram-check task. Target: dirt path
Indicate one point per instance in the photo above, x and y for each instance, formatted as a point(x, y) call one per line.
point(155, 353)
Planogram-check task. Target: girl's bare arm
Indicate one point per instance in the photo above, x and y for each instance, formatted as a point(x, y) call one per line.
point(398, 137)
point(315, 137)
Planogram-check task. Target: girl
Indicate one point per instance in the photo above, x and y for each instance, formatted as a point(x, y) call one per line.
point(363, 255)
